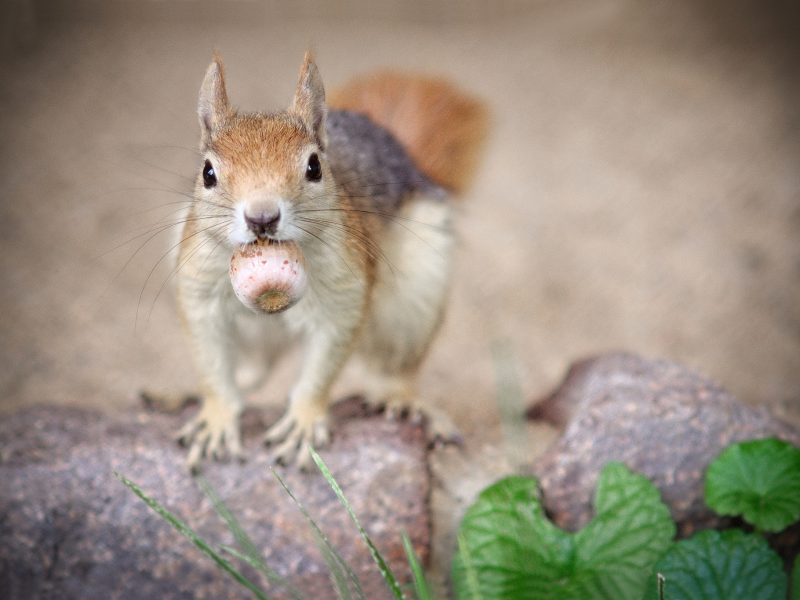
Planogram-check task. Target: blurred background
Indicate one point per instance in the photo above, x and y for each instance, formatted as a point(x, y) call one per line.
point(640, 190)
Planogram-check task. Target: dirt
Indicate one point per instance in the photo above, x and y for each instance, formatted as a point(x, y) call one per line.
point(640, 191)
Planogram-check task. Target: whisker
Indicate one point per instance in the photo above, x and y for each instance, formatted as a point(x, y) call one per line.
point(135, 174)
point(194, 151)
point(179, 266)
point(158, 228)
point(397, 182)
point(141, 189)
point(376, 254)
point(175, 221)
point(347, 236)
point(200, 268)
point(403, 183)
point(167, 253)
point(337, 254)
point(366, 244)
point(127, 262)
point(162, 169)
point(393, 218)
point(224, 207)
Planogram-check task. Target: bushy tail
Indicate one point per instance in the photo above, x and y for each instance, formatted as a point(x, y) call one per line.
point(442, 128)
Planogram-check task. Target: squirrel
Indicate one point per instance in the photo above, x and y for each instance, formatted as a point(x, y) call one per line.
point(361, 192)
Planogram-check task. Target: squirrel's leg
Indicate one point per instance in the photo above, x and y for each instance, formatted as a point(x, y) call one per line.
point(260, 342)
point(305, 423)
point(208, 308)
point(407, 310)
point(330, 316)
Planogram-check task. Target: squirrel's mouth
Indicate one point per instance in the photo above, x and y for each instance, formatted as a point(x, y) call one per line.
point(268, 241)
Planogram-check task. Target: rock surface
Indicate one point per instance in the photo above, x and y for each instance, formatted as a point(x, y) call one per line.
point(660, 418)
point(70, 529)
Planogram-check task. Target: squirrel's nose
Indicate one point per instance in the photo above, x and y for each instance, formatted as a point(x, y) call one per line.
point(262, 223)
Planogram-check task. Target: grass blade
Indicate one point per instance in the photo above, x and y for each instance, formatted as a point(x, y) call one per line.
point(245, 541)
point(394, 586)
point(420, 585)
point(264, 568)
point(472, 575)
point(511, 402)
point(321, 536)
point(192, 537)
point(338, 576)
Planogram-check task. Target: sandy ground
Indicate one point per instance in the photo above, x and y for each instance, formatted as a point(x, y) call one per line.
point(640, 191)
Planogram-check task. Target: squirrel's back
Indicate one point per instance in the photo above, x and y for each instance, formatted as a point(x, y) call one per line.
point(371, 166)
point(441, 128)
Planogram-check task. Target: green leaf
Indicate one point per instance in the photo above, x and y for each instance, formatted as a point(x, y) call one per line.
point(759, 480)
point(193, 537)
point(796, 578)
point(728, 565)
point(516, 552)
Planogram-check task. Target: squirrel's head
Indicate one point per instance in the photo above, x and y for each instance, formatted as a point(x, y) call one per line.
point(260, 171)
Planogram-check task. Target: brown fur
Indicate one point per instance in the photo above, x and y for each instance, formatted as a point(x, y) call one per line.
point(259, 148)
point(442, 129)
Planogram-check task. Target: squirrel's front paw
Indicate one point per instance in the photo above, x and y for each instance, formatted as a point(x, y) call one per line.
point(296, 432)
point(212, 432)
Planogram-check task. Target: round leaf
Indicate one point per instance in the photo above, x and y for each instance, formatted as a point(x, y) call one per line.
point(713, 565)
point(759, 480)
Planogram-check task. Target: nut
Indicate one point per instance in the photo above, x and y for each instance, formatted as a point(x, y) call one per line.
point(269, 276)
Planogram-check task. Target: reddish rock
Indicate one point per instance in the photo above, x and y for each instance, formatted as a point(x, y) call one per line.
point(660, 418)
point(70, 529)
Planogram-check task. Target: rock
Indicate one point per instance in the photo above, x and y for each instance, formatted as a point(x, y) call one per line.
point(660, 418)
point(70, 529)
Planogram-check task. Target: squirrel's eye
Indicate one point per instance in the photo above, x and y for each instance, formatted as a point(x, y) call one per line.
point(209, 175)
point(314, 169)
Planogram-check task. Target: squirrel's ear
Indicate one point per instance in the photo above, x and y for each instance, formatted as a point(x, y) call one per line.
point(212, 106)
point(309, 100)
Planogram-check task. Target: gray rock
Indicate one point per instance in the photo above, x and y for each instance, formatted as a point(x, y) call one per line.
point(660, 418)
point(70, 529)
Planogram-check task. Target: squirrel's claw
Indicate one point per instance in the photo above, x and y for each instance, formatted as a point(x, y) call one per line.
point(211, 433)
point(296, 436)
point(197, 450)
point(439, 427)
